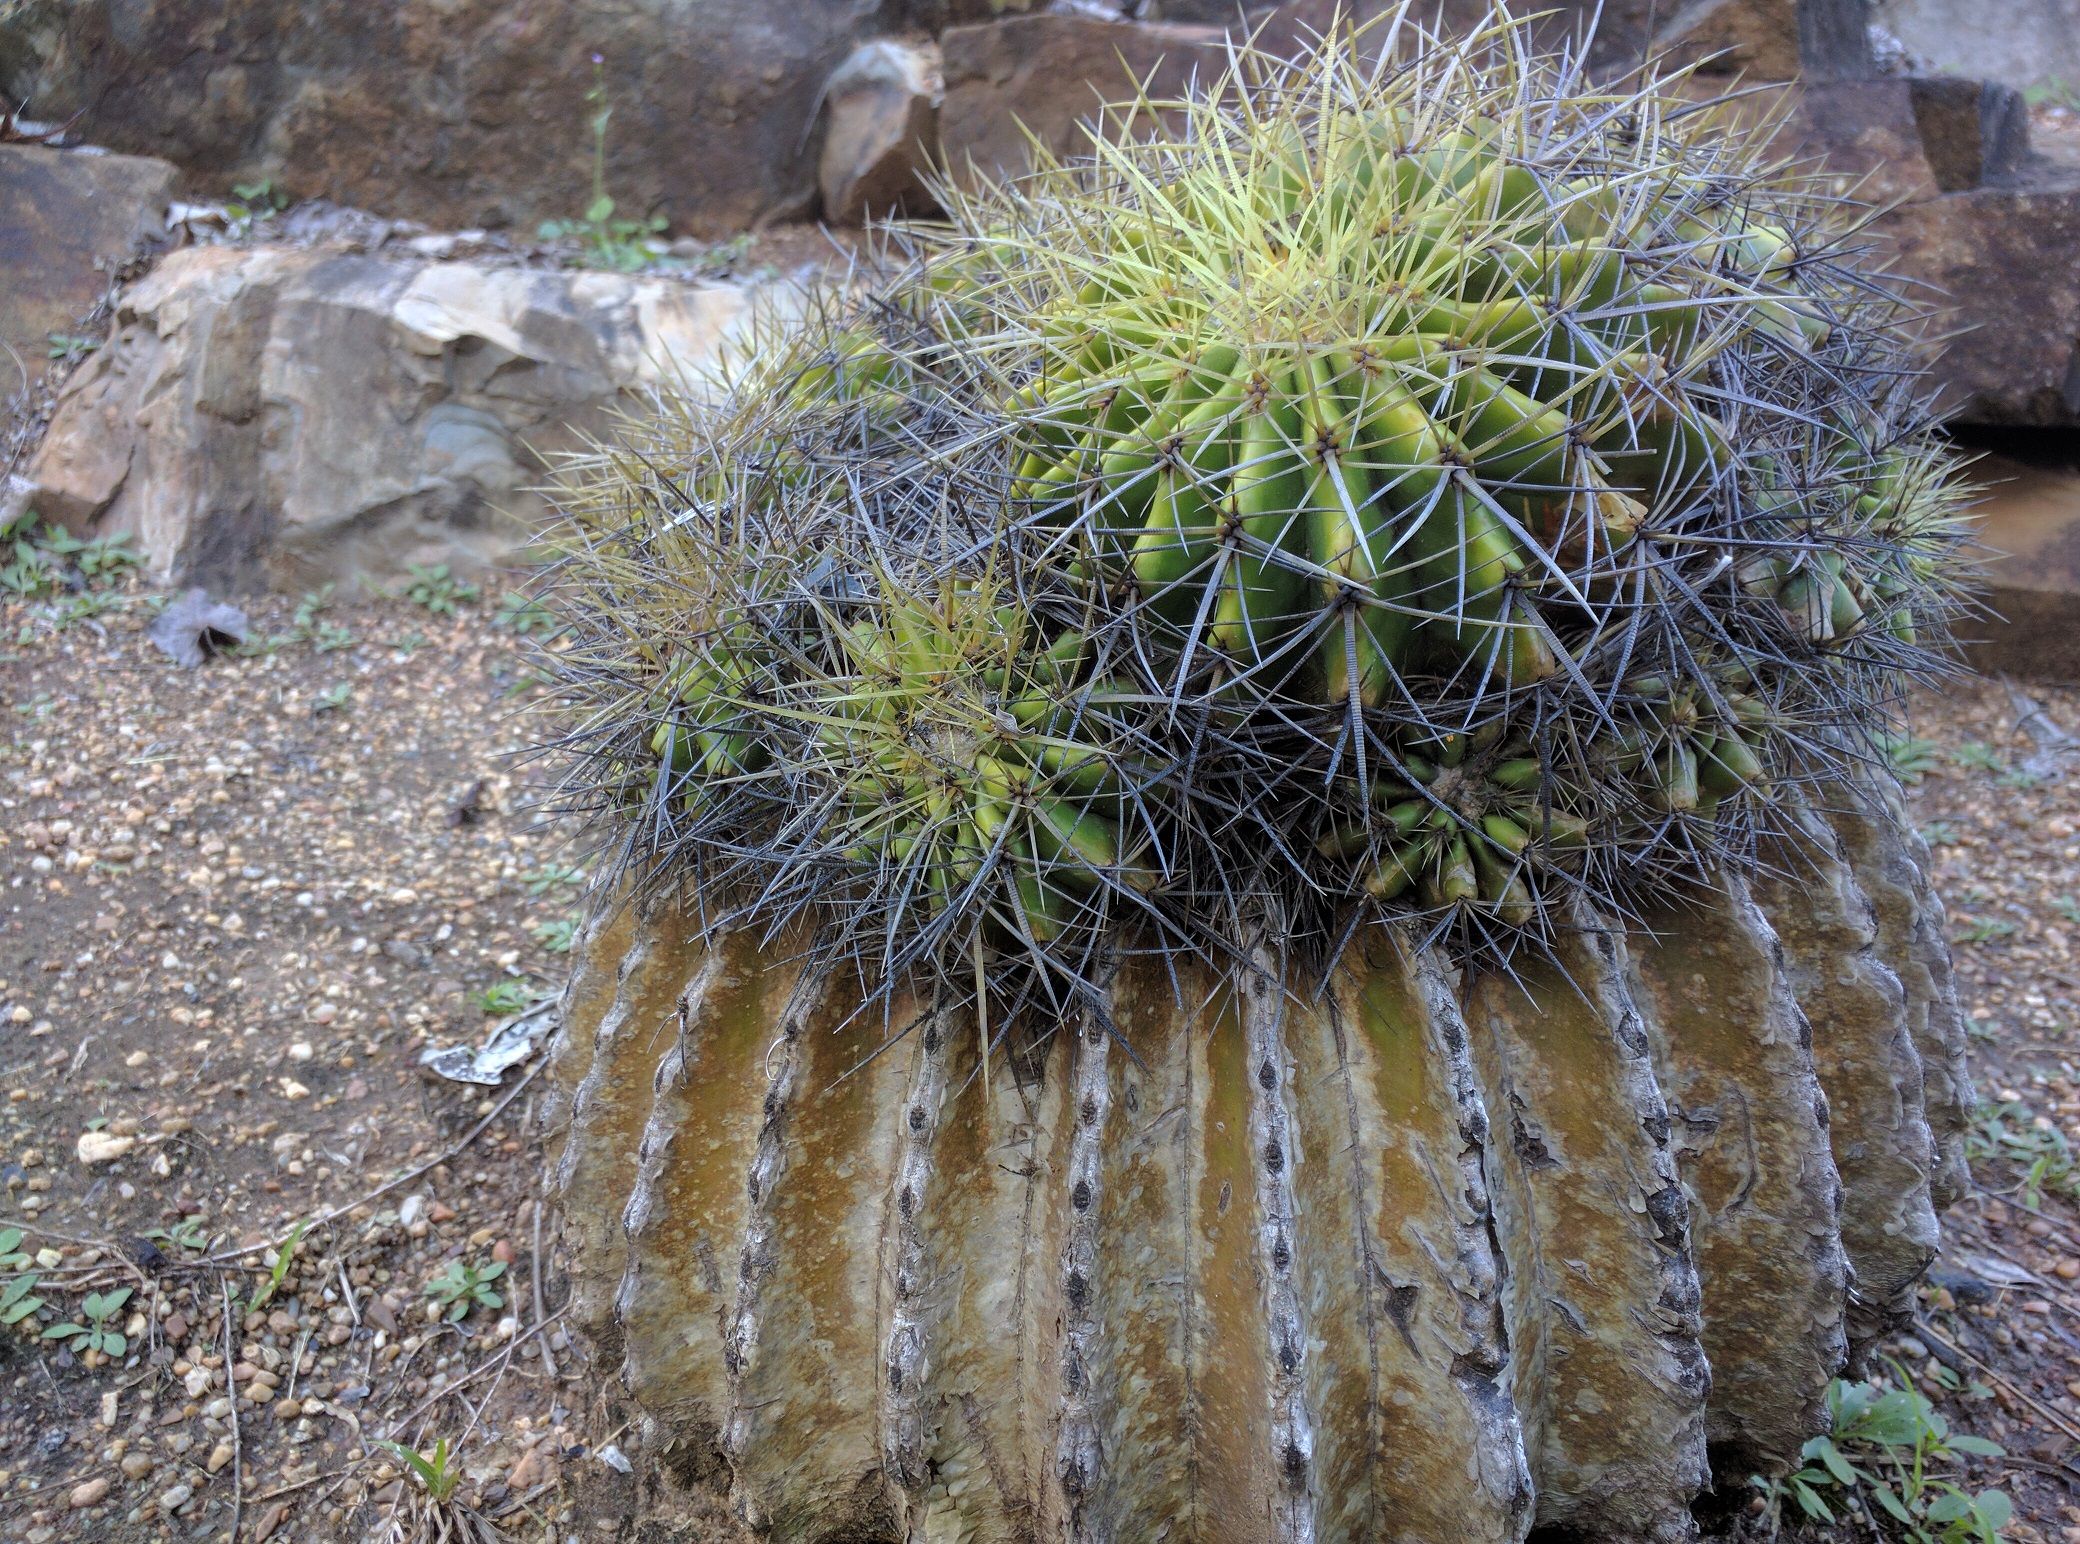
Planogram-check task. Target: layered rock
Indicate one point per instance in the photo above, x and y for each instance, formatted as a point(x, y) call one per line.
point(1419, 1256)
point(288, 415)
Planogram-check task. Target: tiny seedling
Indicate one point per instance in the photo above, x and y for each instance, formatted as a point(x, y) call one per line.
point(439, 591)
point(310, 625)
point(1977, 756)
point(188, 1233)
point(434, 1472)
point(86, 606)
point(620, 245)
point(1986, 930)
point(98, 557)
point(548, 877)
point(463, 1286)
point(252, 201)
point(557, 937)
point(67, 348)
point(1940, 833)
point(2010, 1133)
point(332, 699)
point(313, 602)
point(2066, 907)
point(523, 614)
point(2054, 92)
point(507, 997)
point(278, 1271)
point(1910, 757)
point(98, 1309)
point(18, 1298)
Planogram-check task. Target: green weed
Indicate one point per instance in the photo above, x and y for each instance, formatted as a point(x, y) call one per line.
point(623, 245)
point(2009, 1133)
point(463, 1286)
point(439, 591)
point(1910, 757)
point(1879, 1458)
point(436, 1474)
point(98, 1309)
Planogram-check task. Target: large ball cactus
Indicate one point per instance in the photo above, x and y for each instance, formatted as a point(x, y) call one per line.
point(1249, 895)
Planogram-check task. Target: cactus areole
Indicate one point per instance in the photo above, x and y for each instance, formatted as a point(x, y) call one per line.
point(1240, 792)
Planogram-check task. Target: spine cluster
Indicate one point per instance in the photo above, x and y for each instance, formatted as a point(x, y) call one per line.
point(1399, 479)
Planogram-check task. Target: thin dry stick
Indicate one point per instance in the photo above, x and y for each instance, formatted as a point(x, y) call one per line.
point(535, 1269)
point(2053, 1292)
point(477, 1372)
point(2024, 1395)
point(238, 1449)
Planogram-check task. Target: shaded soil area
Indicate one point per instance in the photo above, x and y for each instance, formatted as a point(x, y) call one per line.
point(237, 904)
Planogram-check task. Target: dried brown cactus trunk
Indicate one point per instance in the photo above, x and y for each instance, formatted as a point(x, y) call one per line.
point(1421, 1259)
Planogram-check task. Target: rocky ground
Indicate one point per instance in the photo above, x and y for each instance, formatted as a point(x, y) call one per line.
point(258, 1242)
point(239, 901)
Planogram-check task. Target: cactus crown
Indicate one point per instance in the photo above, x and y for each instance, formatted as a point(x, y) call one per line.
point(1397, 479)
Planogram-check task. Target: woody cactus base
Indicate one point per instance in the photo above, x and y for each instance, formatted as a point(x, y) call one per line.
point(1430, 1257)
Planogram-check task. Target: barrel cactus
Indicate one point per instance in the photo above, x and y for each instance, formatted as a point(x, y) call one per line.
point(1250, 891)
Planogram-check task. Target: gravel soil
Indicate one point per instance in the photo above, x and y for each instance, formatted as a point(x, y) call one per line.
point(238, 902)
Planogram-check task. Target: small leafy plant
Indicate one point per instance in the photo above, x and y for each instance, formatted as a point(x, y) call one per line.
point(18, 1300)
point(2009, 1133)
point(1910, 757)
point(1986, 930)
point(510, 996)
point(558, 936)
point(67, 348)
point(438, 590)
point(542, 880)
point(97, 1334)
point(188, 1233)
point(622, 246)
point(523, 614)
point(1978, 756)
point(322, 634)
point(251, 201)
point(435, 1474)
point(278, 1271)
point(45, 559)
point(466, 1285)
point(1878, 1456)
point(332, 699)
point(2054, 92)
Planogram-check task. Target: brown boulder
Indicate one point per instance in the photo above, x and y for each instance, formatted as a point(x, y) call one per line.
point(294, 415)
point(2002, 262)
point(881, 132)
point(67, 218)
point(459, 113)
point(1983, 231)
point(1048, 73)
